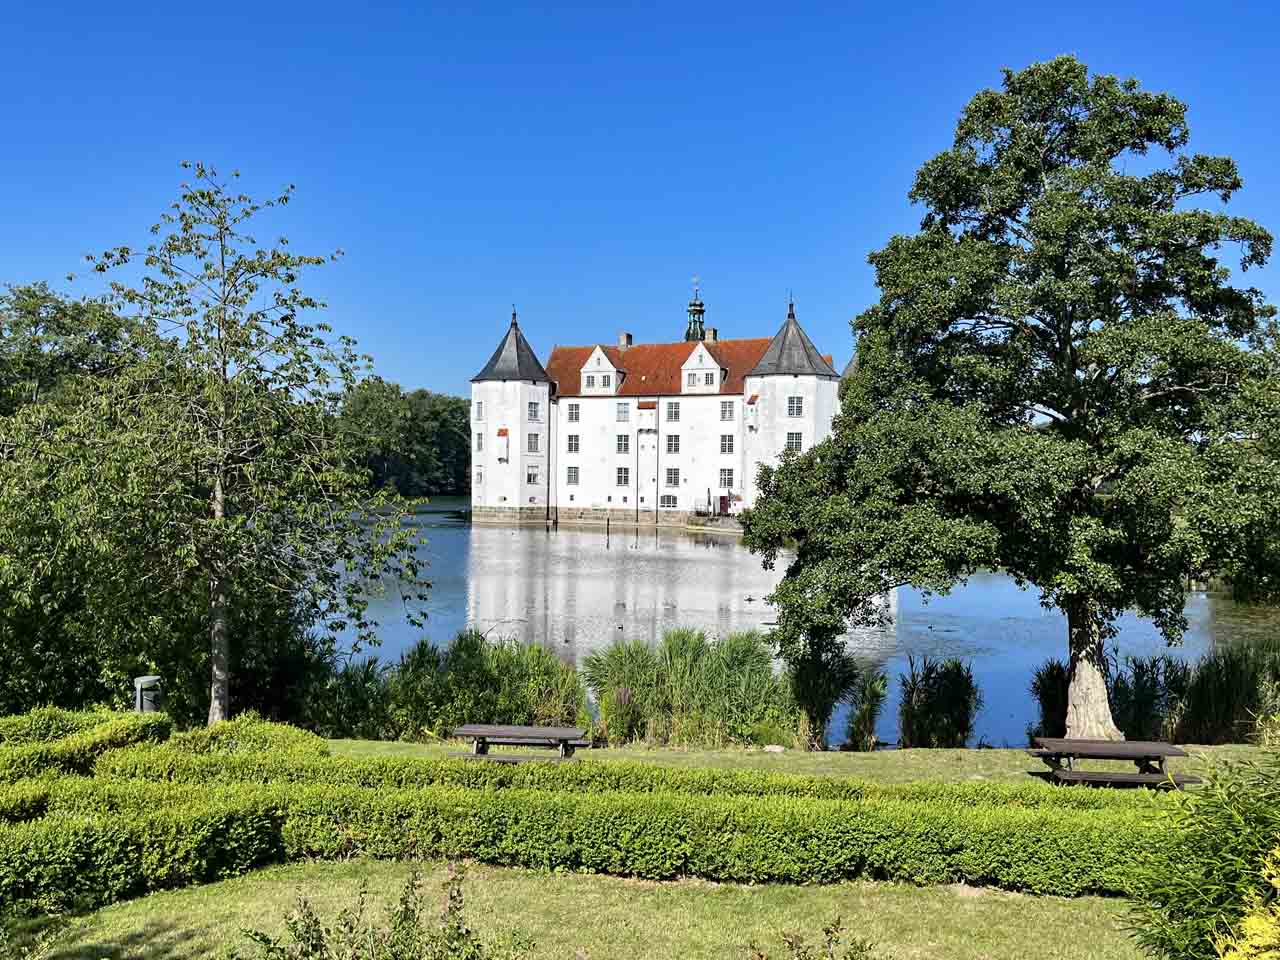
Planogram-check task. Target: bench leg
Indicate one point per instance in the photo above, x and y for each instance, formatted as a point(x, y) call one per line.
point(566, 750)
point(480, 747)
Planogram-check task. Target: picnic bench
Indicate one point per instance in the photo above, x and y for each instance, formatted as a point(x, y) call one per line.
point(1149, 756)
point(486, 735)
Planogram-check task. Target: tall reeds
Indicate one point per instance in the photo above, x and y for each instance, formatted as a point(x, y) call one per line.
point(940, 702)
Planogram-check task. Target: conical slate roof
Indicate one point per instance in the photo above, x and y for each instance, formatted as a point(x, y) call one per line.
point(851, 367)
point(792, 352)
point(513, 360)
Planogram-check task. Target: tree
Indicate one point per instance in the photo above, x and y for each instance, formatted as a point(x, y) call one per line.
point(1059, 379)
point(212, 465)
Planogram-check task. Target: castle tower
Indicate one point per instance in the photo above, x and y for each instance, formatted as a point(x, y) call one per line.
point(695, 329)
point(790, 399)
point(511, 433)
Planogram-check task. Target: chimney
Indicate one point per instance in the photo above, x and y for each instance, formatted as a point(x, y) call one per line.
point(713, 334)
point(624, 341)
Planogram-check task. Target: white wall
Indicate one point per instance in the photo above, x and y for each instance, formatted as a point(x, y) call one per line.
point(768, 422)
point(502, 480)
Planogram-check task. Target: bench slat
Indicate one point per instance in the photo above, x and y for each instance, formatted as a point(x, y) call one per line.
point(1105, 777)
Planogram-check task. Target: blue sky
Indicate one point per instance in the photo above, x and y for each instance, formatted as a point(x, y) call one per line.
point(581, 162)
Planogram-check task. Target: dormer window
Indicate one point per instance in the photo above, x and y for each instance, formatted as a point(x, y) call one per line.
point(606, 380)
point(591, 381)
point(709, 379)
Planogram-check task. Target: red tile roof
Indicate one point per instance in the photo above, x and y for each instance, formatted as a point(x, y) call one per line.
point(653, 369)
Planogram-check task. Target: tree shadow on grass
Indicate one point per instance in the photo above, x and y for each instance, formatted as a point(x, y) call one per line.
point(38, 937)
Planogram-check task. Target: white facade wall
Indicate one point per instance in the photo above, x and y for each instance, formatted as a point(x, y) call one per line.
point(502, 465)
point(769, 421)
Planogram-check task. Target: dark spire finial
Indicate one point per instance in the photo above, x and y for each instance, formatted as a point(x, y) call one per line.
point(791, 306)
point(695, 330)
point(513, 315)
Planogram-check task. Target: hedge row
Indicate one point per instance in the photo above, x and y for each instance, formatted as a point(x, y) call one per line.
point(653, 835)
point(44, 724)
point(166, 764)
point(78, 752)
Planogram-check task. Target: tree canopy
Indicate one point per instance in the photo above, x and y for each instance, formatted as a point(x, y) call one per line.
point(1061, 379)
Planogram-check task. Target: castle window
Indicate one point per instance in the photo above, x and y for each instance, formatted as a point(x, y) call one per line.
point(624, 443)
point(793, 441)
point(479, 409)
point(606, 380)
point(795, 406)
point(692, 379)
point(673, 443)
point(624, 412)
point(726, 479)
point(573, 443)
point(533, 443)
point(531, 474)
point(726, 409)
point(533, 411)
point(575, 412)
point(624, 478)
point(572, 477)
point(479, 443)
point(726, 443)
point(673, 411)
point(673, 476)
point(479, 478)
point(591, 381)
point(668, 501)
point(709, 379)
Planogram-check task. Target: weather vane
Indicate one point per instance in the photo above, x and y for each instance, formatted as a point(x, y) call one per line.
point(696, 283)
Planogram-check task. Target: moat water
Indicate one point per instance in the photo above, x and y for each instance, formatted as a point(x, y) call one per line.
point(576, 589)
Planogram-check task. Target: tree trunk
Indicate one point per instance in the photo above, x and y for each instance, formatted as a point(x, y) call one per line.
point(219, 641)
point(1088, 706)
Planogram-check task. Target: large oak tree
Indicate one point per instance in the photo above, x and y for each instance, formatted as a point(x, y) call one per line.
point(1061, 379)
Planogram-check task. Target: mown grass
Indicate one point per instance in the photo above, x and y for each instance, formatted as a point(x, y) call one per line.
point(618, 918)
point(889, 766)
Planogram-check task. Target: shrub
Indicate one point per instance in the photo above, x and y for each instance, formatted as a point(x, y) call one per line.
point(44, 724)
point(1225, 693)
point(1049, 686)
point(249, 733)
point(833, 940)
point(865, 704)
point(407, 934)
point(1148, 696)
point(1259, 934)
point(940, 702)
point(354, 703)
point(78, 752)
point(1196, 890)
point(159, 764)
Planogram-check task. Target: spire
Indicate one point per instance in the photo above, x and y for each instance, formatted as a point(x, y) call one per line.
point(514, 359)
point(791, 352)
point(695, 330)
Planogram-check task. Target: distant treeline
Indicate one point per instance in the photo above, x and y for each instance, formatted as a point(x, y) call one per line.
point(417, 441)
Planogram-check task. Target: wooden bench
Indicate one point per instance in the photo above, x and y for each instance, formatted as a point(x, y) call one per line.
point(564, 740)
point(1150, 757)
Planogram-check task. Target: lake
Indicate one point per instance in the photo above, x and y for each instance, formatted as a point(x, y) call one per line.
point(576, 589)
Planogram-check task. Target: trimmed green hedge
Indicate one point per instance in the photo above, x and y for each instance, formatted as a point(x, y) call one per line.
point(248, 733)
point(652, 835)
point(165, 764)
point(44, 724)
point(76, 753)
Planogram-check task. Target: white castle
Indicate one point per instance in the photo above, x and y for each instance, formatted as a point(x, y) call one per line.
point(642, 432)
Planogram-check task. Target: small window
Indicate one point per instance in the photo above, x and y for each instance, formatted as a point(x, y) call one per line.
point(709, 379)
point(668, 501)
point(533, 443)
point(726, 409)
point(479, 443)
point(726, 443)
point(531, 474)
point(572, 477)
point(793, 441)
point(606, 380)
point(673, 411)
point(575, 412)
point(591, 381)
point(624, 443)
point(692, 379)
point(795, 406)
point(624, 412)
point(479, 478)
point(726, 479)
point(573, 442)
point(673, 476)
point(624, 477)
point(533, 411)
point(479, 409)
point(673, 443)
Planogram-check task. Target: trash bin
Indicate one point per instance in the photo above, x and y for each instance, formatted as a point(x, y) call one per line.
point(148, 697)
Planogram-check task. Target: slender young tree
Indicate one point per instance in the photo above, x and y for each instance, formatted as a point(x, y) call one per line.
point(214, 462)
point(1060, 380)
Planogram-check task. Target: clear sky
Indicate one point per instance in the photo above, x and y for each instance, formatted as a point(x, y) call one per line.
point(583, 163)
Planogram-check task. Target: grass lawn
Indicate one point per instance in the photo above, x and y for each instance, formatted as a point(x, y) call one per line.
point(890, 766)
point(618, 918)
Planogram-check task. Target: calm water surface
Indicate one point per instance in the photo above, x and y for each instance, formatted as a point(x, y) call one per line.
point(575, 590)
